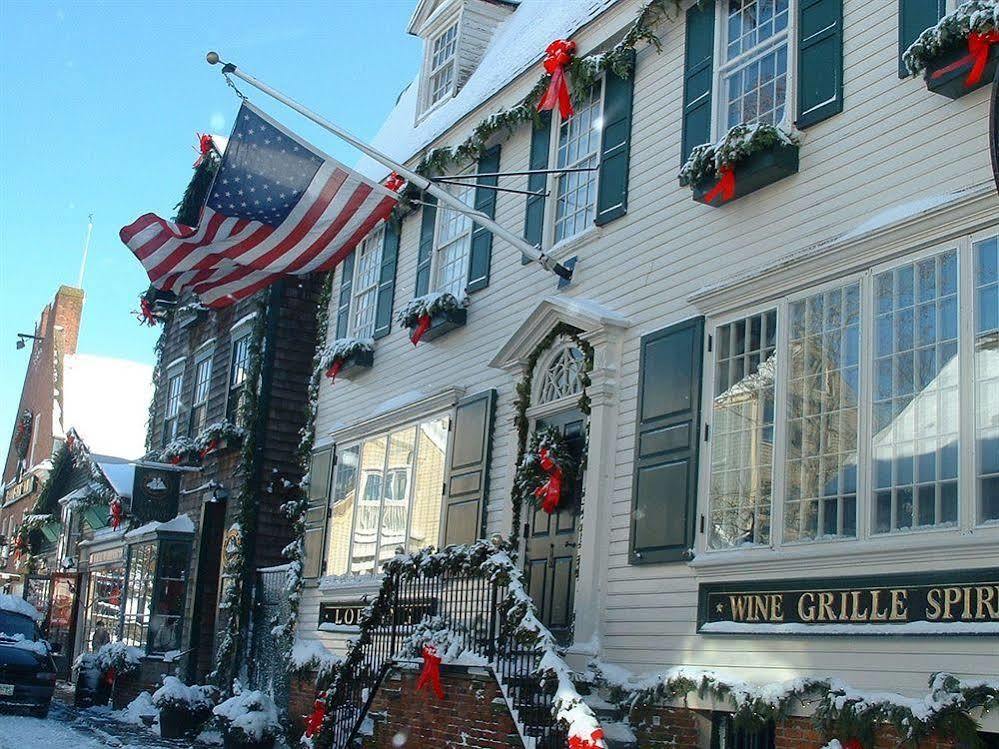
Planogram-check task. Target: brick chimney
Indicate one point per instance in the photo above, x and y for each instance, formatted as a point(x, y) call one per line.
point(68, 309)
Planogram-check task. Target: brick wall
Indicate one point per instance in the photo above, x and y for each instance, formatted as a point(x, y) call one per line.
point(301, 698)
point(677, 727)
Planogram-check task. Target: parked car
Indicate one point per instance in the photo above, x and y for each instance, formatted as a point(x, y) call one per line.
point(27, 671)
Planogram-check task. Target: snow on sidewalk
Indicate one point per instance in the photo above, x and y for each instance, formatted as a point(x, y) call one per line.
point(17, 732)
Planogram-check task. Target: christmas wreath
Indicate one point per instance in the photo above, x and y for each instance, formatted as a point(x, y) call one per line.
point(22, 434)
point(418, 314)
point(542, 472)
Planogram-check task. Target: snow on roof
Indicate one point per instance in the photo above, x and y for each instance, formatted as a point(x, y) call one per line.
point(18, 605)
point(518, 43)
point(120, 475)
point(106, 401)
point(180, 524)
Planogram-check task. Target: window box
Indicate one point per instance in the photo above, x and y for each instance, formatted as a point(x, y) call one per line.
point(757, 170)
point(446, 321)
point(433, 315)
point(347, 357)
point(356, 363)
point(947, 73)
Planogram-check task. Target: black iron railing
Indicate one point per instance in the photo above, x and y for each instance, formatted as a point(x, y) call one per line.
point(473, 607)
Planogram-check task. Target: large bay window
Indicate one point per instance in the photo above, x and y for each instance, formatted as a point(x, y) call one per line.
point(869, 406)
point(387, 496)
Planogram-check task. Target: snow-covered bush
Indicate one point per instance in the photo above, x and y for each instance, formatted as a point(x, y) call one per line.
point(343, 349)
point(953, 30)
point(740, 142)
point(123, 658)
point(176, 694)
point(248, 717)
point(311, 655)
point(430, 305)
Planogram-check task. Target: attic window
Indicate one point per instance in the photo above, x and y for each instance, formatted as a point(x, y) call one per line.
point(441, 72)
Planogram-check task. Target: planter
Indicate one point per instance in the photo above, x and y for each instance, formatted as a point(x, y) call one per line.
point(232, 742)
point(90, 688)
point(444, 322)
point(178, 722)
point(948, 73)
point(355, 364)
point(755, 171)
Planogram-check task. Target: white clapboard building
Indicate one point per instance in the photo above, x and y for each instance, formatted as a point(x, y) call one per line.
point(787, 397)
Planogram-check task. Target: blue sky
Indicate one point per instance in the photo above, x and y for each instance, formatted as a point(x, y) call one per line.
point(99, 106)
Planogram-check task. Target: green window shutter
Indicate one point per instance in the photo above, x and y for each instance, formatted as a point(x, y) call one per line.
point(615, 146)
point(698, 72)
point(820, 60)
point(468, 471)
point(914, 17)
point(480, 253)
point(426, 252)
point(534, 216)
point(386, 278)
point(343, 306)
point(320, 475)
point(664, 484)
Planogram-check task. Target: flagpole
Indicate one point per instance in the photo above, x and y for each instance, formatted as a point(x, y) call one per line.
point(412, 177)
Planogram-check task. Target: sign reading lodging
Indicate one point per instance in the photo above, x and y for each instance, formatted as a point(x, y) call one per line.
point(349, 614)
point(938, 603)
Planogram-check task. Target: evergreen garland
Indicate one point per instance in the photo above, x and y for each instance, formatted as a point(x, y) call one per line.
point(190, 205)
point(951, 31)
point(740, 142)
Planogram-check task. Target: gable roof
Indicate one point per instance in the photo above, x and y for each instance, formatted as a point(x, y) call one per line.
point(518, 43)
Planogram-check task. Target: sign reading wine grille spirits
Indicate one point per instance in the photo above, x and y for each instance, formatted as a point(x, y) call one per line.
point(965, 602)
point(349, 614)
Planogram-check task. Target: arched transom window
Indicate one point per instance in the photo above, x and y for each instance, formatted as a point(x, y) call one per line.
point(563, 377)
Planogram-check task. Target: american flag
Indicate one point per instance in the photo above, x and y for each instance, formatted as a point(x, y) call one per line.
point(278, 206)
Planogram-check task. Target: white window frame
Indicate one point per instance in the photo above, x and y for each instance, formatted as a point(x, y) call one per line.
point(242, 330)
point(465, 237)
point(968, 521)
point(722, 66)
point(552, 184)
point(206, 354)
point(174, 371)
point(359, 443)
point(437, 30)
point(374, 242)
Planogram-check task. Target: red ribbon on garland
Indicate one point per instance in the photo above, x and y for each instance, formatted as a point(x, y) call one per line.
point(725, 187)
point(315, 721)
point(116, 514)
point(394, 182)
point(422, 326)
point(596, 741)
point(557, 56)
point(146, 314)
point(334, 369)
point(549, 492)
point(979, 46)
point(175, 460)
point(431, 673)
point(205, 146)
point(209, 448)
point(19, 548)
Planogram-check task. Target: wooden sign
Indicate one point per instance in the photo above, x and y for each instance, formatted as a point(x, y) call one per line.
point(349, 614)
point(22, 488)
point(965, 602)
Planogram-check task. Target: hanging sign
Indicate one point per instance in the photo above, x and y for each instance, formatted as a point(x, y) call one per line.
point(961, 602)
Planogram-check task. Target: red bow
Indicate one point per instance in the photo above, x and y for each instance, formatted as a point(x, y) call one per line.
point(116, 515)
point(315, 721)
point(596, 741)
point(431, 673)
point(334, 369)
point(423, 325)
point(110, 676)
point(209, 448)
point(146, 314)
point(394, 182)
point(978, 48)
point(205, 147)
point(725, 187)
point(175, 460)
point(19, 548)
point(549, 492)
point(558, 55)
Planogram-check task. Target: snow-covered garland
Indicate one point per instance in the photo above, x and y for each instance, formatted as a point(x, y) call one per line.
point(523, 402)
point(22, 433)
point(297, 507)
point(339, 352)
point(417, 313)
point(491, 561)
point(583, 72)
point(235, 601)
point(952, 31)
point(215, 436)
point(541, 473)
point(706, 161)
point(840, 710)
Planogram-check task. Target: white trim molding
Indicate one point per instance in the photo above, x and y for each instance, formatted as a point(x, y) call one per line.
point(439, 401)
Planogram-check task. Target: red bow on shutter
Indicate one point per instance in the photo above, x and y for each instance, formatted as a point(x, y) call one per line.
point(549, 492)
point(394, 182)
point(116, 514)
point(725, 187)
point(431, 673)
point(205, 146)
point(422, 327)
point(315, 721)
point(334, 369)
point(558, 55)
point(596, 741)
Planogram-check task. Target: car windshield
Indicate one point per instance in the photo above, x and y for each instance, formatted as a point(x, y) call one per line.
point(16, 624)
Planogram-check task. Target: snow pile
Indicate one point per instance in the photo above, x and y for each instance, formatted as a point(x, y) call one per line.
point(310, 655)
point(740, 142)
point(39, 647)
point(953, 30)
point(18, 605)
point(176, 694)
point(435, 303)
point(248, 717)
point(139, 711)
point(180, 524)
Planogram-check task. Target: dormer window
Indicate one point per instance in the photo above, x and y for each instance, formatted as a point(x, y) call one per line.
point(442, 63)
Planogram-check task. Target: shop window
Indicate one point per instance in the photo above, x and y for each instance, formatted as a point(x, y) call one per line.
point(986, 258)
point(102, 612)
point(139, 594)
point(726, 734)
point(155, 592)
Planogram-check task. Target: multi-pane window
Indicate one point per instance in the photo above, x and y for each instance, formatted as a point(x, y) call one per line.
point(238, 366)
point(877, 413)
point(168, 609)
point(139, 594)
point(103, 608)
point(441, 73)
point(578, 148)
point(386, 496)
point(453, 244)
point(367, 268)
point(175, 383)
point(199, 400)
point(986, 258)
point(745, 365)
point(822, 415)
point(753, 71)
